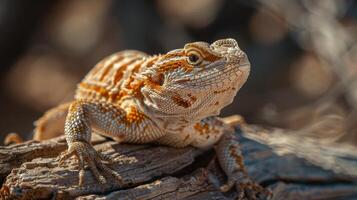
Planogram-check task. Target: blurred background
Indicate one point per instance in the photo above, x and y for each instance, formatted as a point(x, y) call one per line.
point(303, 55)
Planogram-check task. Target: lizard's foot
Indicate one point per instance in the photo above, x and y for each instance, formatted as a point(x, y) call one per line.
point(246, 188)
point(85, 153)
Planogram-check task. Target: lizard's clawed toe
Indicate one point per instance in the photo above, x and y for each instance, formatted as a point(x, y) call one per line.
point(226, 187)
point(86, 154)
point(252, 191)
point(64, 156)
point(246, 188)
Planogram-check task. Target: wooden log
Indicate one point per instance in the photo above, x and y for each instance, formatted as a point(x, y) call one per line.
point(292, 167)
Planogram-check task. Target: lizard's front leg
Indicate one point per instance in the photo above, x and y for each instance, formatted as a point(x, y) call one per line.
point(213, 130)
point(231, 160)
point(82, 116)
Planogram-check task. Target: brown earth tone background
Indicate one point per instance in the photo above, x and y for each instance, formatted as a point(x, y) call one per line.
point(303, 55)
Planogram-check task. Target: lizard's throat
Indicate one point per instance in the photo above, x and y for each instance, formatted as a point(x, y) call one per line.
point(172, 121)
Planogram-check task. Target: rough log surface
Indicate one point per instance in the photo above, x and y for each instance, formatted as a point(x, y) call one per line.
point(291, 166)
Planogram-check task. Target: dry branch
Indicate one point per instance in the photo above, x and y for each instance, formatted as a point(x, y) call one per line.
point(158, 172)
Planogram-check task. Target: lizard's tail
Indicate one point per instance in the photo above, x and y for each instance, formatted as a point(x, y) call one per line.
point(13, 138)
point(50, 125)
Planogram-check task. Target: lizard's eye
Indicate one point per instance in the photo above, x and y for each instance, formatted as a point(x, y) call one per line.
point(194, 58)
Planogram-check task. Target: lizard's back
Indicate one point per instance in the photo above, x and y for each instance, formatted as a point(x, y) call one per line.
point(107, 80)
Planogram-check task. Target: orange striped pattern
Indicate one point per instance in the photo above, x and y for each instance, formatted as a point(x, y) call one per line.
point(113, 78)
point(103, 81)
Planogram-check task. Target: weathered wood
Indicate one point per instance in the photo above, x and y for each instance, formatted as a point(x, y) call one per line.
point(193, 186)
point(13, 156)
point(292, 167)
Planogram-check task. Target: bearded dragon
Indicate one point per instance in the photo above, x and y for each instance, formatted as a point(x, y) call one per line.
point(170, 99)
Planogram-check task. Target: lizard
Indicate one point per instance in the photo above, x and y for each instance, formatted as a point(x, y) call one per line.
point(170, 99)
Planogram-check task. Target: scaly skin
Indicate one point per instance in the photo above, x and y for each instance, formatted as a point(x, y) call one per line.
point(169, 99)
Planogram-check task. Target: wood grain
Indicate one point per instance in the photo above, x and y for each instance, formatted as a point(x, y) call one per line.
point(292, 167)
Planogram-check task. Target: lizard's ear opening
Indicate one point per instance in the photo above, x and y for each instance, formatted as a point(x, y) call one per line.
point(159, 79)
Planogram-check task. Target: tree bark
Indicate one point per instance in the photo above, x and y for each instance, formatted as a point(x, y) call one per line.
point(290, 166)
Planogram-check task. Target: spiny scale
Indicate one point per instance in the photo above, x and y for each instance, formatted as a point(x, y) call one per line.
point(105, 79)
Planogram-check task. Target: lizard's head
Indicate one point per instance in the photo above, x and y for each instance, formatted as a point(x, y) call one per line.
point(198, 80)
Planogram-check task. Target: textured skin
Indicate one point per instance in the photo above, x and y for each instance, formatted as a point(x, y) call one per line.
point(169, 99)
